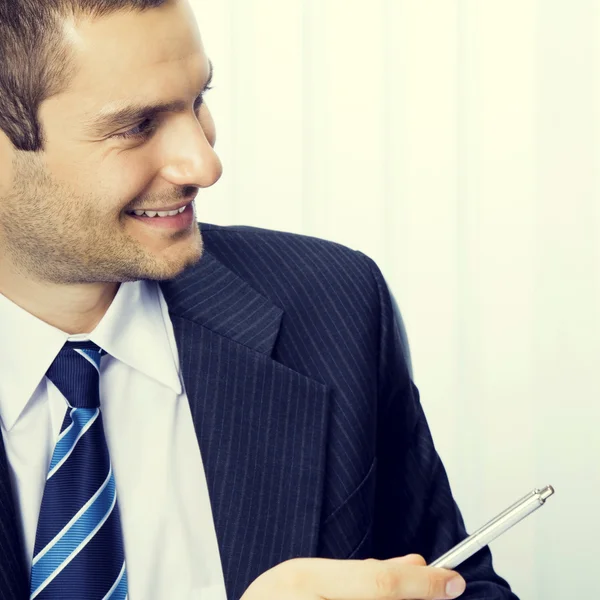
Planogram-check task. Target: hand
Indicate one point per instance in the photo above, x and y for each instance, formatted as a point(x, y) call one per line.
point(404, 578)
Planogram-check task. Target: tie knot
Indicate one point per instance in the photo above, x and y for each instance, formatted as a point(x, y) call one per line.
point(76, 373)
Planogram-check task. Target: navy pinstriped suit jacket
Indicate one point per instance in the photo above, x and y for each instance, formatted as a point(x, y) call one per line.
point(311, 431)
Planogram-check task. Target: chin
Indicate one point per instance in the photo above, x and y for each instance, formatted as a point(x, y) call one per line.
point(172, 269)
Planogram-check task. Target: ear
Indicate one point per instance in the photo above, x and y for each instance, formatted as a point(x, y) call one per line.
point(7, 154)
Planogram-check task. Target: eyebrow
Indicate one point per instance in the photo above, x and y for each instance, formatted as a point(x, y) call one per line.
point(137, 112)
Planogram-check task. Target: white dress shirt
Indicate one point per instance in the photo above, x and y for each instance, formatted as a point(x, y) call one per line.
point(168, 529)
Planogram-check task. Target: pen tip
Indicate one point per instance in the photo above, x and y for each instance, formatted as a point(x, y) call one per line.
point(546, 492)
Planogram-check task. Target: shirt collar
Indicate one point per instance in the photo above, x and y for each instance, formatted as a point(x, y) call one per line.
point(133, 330)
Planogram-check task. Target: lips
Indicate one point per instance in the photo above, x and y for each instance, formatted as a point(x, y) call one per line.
point(167, 209)
point(153, 213)
point(180, 221)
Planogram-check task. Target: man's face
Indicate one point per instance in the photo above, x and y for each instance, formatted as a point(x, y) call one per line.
point(63, 213)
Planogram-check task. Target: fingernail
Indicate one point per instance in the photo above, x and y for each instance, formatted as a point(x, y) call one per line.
point(455, 587)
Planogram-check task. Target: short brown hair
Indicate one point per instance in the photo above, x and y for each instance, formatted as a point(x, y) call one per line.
point(35, 60)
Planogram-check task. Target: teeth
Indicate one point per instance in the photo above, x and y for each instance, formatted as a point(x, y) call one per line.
point(153, 213)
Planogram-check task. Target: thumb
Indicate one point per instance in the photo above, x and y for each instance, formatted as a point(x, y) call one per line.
point(410, 559)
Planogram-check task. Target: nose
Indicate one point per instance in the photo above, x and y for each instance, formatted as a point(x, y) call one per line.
point(190, 158)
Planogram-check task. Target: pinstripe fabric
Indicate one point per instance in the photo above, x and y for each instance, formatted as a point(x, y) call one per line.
point(312, 435)
point(14, 581)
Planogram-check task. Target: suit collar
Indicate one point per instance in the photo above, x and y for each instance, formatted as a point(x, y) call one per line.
point(213, 296)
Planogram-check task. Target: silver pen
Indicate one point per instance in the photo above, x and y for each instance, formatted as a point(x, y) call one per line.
point(490, 531)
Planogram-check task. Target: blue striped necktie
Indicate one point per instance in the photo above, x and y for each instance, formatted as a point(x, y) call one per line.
point(78, 552)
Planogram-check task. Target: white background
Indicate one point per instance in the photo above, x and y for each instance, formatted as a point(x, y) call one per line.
point(456, 143)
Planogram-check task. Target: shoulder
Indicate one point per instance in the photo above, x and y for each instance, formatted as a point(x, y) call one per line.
point(231, 239)
point(264, 255)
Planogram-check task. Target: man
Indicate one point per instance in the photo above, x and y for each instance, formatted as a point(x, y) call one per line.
point(209, 413)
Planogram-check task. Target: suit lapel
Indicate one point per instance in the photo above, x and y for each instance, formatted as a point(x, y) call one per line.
point(260, 425)
point(14, 581)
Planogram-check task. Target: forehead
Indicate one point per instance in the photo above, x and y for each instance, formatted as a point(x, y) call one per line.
point(132, 55)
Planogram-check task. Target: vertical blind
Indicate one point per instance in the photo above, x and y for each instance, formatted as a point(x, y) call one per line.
point(456, 143)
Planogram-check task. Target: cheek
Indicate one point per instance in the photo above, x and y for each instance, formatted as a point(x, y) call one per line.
point(129, 178)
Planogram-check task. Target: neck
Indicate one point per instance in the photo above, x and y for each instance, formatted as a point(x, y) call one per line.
point(72, 308)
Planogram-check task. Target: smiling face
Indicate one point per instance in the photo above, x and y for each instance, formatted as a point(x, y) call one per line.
point(64, 212)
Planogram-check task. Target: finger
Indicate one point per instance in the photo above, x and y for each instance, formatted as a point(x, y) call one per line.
point(373, 579)
point(403, 581)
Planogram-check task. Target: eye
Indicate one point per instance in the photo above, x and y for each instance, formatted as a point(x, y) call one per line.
point(139, 131)
point(200, 100)
point(148, 126)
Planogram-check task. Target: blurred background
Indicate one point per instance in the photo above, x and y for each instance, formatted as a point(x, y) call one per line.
point(456, 142)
